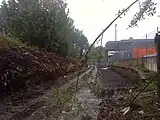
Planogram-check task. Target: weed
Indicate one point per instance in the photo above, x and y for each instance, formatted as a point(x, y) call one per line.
point(143, 69)
point(64, 99)
point(6, 42)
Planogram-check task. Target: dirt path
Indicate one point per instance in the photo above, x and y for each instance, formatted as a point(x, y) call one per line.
point(23, 110)
point(88, 102)
point(67, 103)
point(59, 103)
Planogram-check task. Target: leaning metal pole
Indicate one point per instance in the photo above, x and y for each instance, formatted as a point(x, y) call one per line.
point(85, 56)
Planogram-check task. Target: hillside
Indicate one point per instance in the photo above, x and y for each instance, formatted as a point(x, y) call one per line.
point(23, 67)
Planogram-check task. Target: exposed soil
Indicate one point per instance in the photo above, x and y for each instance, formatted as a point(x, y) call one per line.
point(40, 95)
point(25, 75)
point(126, 84)
point(116, 77)
point(21, 68)
point(88, 99)
point(38, 106)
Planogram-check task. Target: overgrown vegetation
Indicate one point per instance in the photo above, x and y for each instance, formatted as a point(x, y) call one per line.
point(97, 53)
point(143, 69)
point(64, 99)
point(7, 42)
point(144, 107)
point(44, 23)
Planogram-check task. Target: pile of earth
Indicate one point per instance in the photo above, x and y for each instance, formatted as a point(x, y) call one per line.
point(118, 104)
point(22, 67)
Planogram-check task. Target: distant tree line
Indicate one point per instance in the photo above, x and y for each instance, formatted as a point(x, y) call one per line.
point(45, 23)
point(97, 53)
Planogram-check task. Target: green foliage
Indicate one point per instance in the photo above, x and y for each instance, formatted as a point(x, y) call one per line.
point(41, 22)
point(143, 69)
point(147, 8)
point(63, 96)
point(97, 53)
point(64, 99)
point(97, 56)
point(6, 42)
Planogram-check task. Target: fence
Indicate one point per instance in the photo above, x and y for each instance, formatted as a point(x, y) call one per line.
point(149, 63)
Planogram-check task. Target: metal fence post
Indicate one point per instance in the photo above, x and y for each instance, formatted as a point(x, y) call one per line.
point(157, 41)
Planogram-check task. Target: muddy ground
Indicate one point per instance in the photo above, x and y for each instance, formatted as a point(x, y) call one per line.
point(66, 100)
point(116, 77)
point(91, 98)
point(18, 107)
point(120, 86)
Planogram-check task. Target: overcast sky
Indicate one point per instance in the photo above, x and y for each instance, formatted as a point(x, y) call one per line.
point(92, 16)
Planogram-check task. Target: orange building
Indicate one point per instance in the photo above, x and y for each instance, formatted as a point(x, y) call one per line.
point(141, 52)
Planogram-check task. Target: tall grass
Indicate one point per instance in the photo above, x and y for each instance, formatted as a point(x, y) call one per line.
point(6, 42)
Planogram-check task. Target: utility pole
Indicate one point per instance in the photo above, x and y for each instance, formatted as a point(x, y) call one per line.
point(109, 26)
point(100, 53)
point(146, 46)
point(115, 32)
point(137, 50)
point(157, 41)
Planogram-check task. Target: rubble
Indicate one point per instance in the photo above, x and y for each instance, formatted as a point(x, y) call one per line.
point(120, 107)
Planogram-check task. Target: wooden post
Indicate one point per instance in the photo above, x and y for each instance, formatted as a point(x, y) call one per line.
point(157, 41)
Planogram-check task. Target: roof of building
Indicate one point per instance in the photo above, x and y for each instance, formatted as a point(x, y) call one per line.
point(129, 44)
